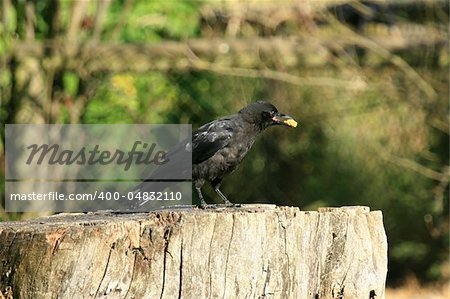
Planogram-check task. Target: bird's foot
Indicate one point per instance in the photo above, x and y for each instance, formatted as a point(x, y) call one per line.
point(229, 204)
point(205, 206)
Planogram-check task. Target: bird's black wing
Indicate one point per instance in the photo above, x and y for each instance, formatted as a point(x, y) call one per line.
point(210, 138)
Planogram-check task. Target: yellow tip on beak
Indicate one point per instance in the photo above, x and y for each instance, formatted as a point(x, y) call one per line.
point(291, 123)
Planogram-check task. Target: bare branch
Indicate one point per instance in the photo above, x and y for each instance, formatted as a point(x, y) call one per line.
point(102, 7)
point(77, 13)
point(440, 124)
point(440, 189)
point(416, 167)
point(379, 47)
point(244, 53)
point(123, 16)
point(6, 6)
point(267, 74)
point(30, 20)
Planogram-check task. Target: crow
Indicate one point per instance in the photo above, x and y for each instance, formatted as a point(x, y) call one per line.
point(218, 147)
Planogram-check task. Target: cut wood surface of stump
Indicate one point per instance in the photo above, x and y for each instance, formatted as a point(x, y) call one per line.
point(255, 251)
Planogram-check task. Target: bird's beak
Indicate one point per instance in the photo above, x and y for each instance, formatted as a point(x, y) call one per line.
point(283, 119)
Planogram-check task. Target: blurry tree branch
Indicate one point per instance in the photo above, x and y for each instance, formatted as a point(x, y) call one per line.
point(442, 178)
point(268, 74)
point(440, 189)
point(386, 46)
point(417, 167)
point(102, 7)
point(122, 19)
point(77, 13)
point(441, 125)
point(242, 53)
point(398, 62)
point(313, 5)
point(307, 14)
point(30, 20)
point(5, 5)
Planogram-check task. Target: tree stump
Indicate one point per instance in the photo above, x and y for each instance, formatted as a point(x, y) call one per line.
point(255, 251)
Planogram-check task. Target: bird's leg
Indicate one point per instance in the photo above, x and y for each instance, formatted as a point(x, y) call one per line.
point(224, 198)
point(200, 196)
point(216, 186)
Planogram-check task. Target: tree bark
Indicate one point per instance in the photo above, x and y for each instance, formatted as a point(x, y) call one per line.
point(256, 251)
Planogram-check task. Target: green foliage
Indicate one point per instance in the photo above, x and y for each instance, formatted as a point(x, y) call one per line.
point(71, 82)
point(131, 98)
point(154, 20)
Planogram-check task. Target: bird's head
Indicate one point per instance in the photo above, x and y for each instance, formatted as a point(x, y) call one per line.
point(265, 114)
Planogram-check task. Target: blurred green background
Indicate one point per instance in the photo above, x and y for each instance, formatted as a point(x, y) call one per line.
point(367, 81)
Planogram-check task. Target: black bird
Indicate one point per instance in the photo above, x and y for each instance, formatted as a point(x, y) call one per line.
point(218, 147)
